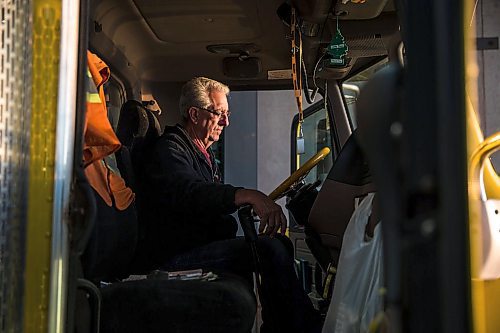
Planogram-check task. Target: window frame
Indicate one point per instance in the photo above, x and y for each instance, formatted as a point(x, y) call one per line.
point(351, 75)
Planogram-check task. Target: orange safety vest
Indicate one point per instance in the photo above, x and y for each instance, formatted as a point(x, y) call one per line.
point(100, 140)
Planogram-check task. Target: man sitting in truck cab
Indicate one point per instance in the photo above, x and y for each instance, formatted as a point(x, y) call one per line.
point(193, 226)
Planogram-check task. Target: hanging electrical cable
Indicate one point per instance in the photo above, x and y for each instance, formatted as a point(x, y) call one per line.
point(323, 53)
point(309, 96)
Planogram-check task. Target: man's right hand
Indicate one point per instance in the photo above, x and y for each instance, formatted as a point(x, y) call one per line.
point(270, 213)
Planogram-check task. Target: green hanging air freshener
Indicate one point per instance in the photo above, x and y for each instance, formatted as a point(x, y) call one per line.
point(337, 49)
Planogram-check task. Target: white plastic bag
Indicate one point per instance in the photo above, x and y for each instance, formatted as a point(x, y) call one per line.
point(356, 298)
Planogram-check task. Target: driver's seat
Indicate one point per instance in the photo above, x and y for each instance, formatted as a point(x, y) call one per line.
point(152, 304)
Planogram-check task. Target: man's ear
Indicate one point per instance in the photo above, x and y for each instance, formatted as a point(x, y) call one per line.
point(193, 114)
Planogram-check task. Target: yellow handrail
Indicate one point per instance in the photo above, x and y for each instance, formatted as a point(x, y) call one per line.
point(484, 183)
point(476, 166)
point(478, 194)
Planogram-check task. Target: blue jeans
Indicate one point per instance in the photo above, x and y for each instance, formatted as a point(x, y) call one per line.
point(285, 306)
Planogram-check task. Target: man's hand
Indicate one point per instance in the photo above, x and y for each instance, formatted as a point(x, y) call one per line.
point(271, 216)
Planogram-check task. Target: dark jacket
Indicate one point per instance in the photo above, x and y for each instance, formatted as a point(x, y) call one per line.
point(189, 205)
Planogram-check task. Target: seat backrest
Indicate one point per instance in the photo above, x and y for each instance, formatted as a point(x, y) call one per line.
point(349, 181)
point(137, 131)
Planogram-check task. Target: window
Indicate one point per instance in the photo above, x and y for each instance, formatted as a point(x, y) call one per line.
point(115, 98)
point(317, 135)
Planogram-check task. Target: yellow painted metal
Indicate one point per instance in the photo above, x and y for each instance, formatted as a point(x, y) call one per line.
point(46, 39)
point(476, 161)
point(485, 294)
point(308, 165)
point(486, 302)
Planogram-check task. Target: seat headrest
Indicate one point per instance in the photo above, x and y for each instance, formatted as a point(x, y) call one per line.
point(136, 122)
point(351, 167)
point(133, 122)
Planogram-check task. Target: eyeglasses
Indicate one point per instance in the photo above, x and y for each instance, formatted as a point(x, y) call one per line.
point(216, 112)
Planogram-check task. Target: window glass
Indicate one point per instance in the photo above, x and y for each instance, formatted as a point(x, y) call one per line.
point(115, 98)
point(316, 131)
point(353, 85)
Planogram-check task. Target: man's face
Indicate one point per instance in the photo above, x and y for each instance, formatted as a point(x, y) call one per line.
point(210, 125)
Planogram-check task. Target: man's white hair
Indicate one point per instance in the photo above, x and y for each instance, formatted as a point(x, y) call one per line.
point(196, 93)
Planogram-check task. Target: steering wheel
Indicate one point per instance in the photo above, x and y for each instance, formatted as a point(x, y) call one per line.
point(298, 174)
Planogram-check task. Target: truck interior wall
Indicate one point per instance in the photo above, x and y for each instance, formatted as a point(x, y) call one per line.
point(488, 26)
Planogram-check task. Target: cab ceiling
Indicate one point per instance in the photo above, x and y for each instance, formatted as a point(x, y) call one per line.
point(216, 22)
point(168, 41)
